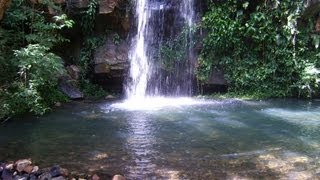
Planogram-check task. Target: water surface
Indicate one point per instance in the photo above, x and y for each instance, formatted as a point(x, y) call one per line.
point(174, 139)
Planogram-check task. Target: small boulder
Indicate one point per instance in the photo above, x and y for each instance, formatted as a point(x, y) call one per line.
point(22, 164)
point(45, 176)
point(33, 177)
point(35, 169)
point(118, 177)
point(21, 177)
point(74, 72)
point(110, 97)
point(95, 177)
point(57, 104)
point(55, 171)
point(7, 174)
point(28, 169)
point(59, 178)
point(64, 172)
point(69, 88)
point(9, 166)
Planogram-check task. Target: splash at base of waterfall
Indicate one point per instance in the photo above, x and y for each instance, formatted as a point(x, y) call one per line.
point(157, 103)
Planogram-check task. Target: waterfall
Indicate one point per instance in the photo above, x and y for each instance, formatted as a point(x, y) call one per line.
point(158, 23)
point(139, 65)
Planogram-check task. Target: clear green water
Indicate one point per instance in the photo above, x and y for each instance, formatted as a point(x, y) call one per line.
point(207, 140)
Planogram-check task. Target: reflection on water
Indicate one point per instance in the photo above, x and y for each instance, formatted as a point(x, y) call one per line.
point(174, 139)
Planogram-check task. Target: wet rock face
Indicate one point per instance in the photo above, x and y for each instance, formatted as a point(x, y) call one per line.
point(105, 6)
point(312, 7)
point(111, 64)
point(69, 87)
point(112, 58)
point(216, 83)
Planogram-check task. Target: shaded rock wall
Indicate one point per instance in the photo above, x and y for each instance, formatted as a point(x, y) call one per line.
point(111, 64)
point(312, 7)
point(4, 4)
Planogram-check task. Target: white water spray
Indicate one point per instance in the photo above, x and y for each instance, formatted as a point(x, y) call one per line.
point(139, 66)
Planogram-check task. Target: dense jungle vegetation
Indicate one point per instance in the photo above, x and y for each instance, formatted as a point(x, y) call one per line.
point(265, 48)
point(29, 65)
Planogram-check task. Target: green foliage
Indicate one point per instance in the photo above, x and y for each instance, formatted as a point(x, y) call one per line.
point(260, 47)
point(86, 55)
point(89, 17)
point(36, 90)
point(116, 39)
point(91, 43)
point(92, 90)
point(45, 33)
point(29, 71)
point(37, 65)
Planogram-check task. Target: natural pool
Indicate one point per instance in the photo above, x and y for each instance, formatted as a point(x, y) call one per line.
point(174, 139)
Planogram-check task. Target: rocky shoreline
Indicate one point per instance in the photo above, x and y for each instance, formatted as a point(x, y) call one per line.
point(24, 170)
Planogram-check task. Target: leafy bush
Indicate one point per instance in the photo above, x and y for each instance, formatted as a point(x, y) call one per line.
point(91, 90)
point(260, 47)
point(29, 71)
point(36, 90)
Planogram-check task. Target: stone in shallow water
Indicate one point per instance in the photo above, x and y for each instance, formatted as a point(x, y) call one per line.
point(22, 164)
point(58, 178)
point(7, 174)
point(45, 176)
point(55, 171)
point(21, 177)
point(95, 177)
point(28, 169)
point(118, 177)
point(9, 166)
point(64, 172)
point(35, 169)
point(33, 177)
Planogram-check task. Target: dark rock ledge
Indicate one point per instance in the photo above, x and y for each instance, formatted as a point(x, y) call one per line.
point(24, 170)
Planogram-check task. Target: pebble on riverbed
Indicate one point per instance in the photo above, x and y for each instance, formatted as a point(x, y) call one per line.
point(24, 170)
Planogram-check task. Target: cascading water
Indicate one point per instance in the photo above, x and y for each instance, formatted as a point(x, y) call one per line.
point(139, 69)
point(158, 22)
